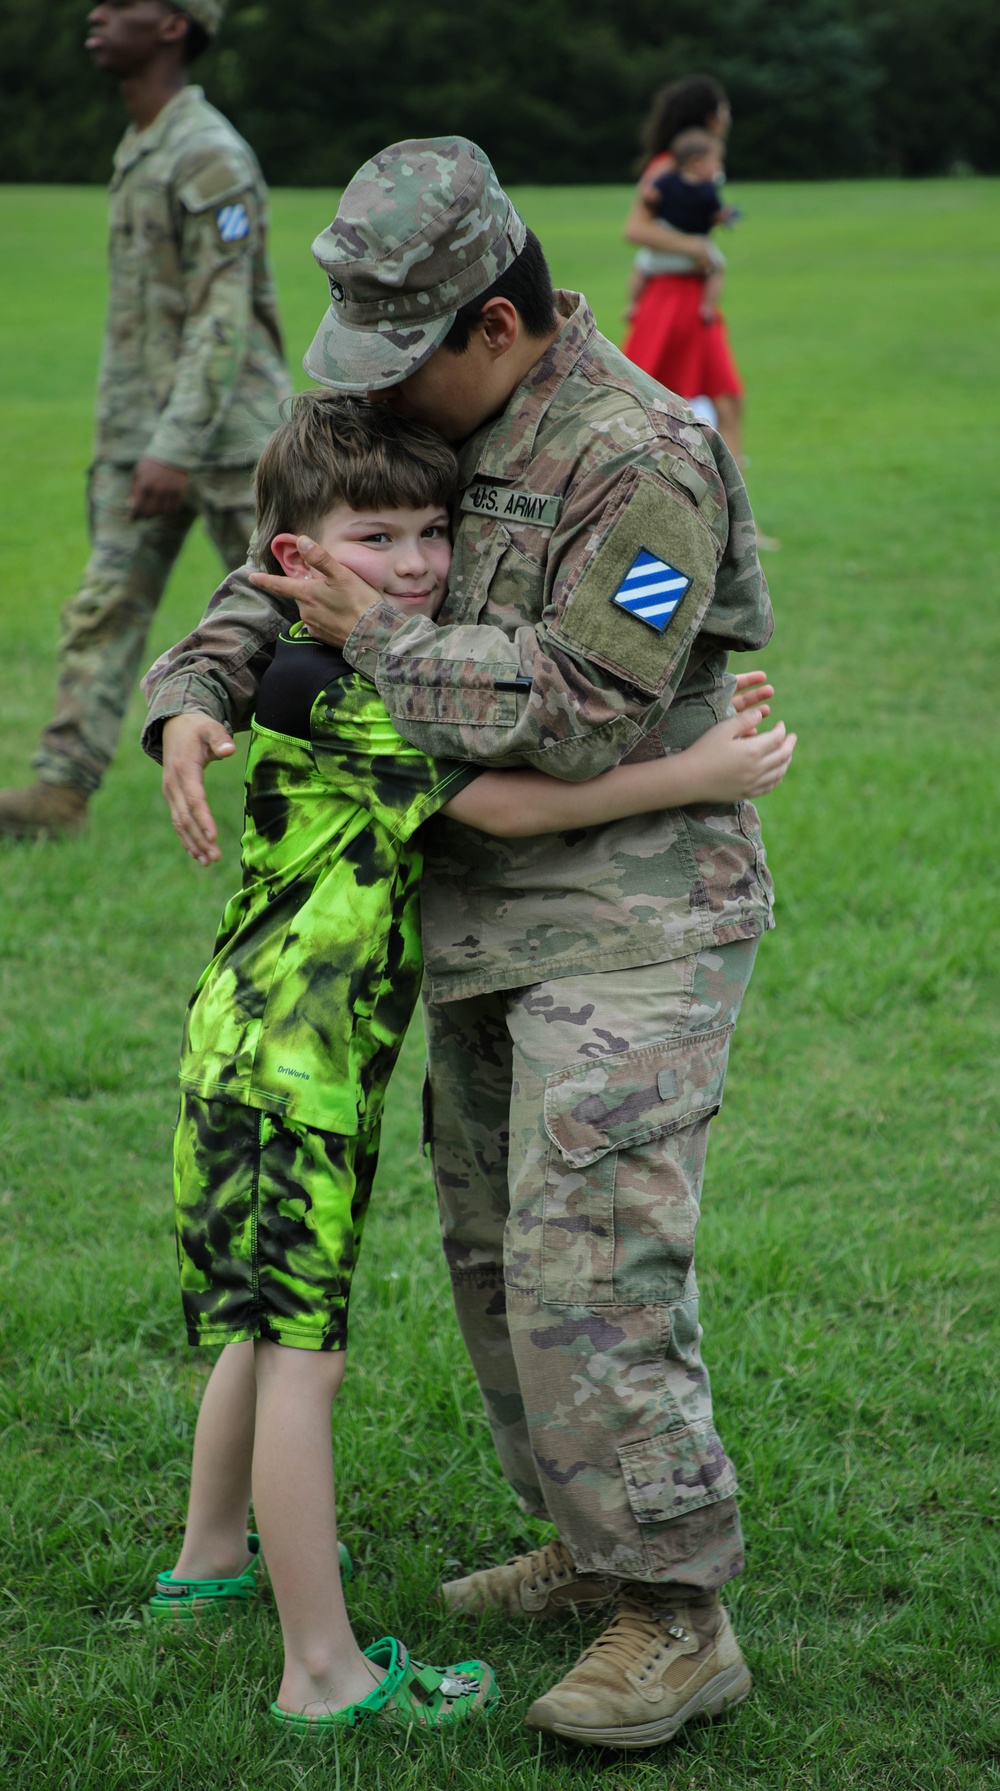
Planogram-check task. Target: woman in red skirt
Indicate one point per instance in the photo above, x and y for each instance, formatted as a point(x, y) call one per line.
point(669, 338)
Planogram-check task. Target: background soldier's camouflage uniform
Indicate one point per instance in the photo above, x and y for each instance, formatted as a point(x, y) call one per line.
point(583, 987)
point(192, 375)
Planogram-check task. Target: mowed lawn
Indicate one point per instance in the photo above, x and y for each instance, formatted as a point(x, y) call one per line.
point(849, 1246)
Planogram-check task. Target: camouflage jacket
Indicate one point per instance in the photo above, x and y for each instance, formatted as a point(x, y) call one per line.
point(192, 369)
point(592, 476)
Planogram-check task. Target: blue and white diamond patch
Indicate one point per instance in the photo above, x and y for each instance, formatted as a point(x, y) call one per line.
point(651, 590)
point(233, 223)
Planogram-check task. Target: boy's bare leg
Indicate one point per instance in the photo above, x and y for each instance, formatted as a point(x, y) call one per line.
point(215, 1539)
point(293, 1501)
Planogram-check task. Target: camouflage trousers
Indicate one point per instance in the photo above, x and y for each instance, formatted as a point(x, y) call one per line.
point(104, 627)
point(568, 1124)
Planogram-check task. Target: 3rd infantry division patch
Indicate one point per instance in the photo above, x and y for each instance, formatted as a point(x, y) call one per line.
point(651, 590)
point(233, 223)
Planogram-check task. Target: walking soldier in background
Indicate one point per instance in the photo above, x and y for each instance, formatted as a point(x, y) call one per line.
point(190, 381)
point(582, 987)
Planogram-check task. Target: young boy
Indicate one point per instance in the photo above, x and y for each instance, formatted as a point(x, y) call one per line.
point(687, 198)
point(295, 1026)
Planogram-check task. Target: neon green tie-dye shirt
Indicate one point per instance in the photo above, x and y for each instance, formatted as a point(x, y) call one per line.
point(317, 964)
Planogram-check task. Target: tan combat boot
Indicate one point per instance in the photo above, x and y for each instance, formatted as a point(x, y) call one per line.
point(537, 1585)
point(49, 809)
point(661, 1661)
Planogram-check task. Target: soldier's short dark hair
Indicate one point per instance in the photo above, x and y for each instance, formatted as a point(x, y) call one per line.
point(195, 43)
point(527, 283)
point(197, 40)
point(332, 449)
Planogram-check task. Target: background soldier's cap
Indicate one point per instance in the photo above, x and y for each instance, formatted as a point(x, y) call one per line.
point(206, 13)
point(423, 227)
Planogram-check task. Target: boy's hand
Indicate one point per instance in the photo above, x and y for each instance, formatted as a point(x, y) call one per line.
point(331, 600)
point(190, 742)
point(752, 691)
point(733, 763)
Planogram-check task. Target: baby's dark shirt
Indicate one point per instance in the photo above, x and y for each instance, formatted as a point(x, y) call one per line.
point(687, 206)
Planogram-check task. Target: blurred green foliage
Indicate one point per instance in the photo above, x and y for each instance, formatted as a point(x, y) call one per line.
point(554, 90)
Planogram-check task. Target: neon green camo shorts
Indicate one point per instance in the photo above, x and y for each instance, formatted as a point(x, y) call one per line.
point(269, 1216)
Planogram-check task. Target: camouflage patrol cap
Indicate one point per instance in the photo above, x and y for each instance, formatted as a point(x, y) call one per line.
point(206, 13)
point(423, 227)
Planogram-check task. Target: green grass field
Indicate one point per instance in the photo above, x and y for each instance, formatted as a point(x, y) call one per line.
point(849, 1245)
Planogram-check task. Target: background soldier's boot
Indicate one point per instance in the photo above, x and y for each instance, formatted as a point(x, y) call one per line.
point(43, 808)
point(537, 1585)
point(661, 1662)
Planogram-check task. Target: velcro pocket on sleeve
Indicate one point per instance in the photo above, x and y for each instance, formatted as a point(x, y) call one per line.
point(654, 525)
point(623, 1100)
point(213, 184)
point(677, 1472)
point(460, 691)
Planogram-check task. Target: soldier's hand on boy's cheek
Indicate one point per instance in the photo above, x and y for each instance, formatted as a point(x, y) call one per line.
point(157, 489)
point(331, 600)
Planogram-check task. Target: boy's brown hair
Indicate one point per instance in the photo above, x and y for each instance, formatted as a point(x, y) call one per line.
point(332, 450)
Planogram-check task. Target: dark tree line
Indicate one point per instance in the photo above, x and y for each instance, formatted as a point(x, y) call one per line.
point(554, 90)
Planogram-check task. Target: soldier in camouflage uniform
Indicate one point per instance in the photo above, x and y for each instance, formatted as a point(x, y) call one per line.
point(581, 991)
point(190, 381)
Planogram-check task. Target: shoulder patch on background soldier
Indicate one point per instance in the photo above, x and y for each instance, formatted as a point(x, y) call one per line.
point(233, 223)
point(651, 590)
point(650, 527)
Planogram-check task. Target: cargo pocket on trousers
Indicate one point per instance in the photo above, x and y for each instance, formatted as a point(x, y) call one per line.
point(675, 1473)
point(595, 1115)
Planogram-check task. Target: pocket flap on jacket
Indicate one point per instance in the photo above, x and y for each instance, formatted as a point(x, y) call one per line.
point(461, 691)
point(669, 1475)
point(623, 1100)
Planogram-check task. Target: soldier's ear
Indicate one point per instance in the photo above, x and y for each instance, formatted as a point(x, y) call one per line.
point(286, 552)
point(174, 27)
point(500, 324)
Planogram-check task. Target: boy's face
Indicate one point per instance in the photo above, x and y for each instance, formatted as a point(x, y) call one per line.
point(403, 554)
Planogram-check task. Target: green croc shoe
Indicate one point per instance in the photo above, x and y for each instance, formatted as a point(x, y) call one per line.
point(412, 1695)
point(184, 1600)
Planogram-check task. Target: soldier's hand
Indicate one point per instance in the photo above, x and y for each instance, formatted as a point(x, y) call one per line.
point(752, 689)
point(157, 489)
point(190, 742)
point(331, 598)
